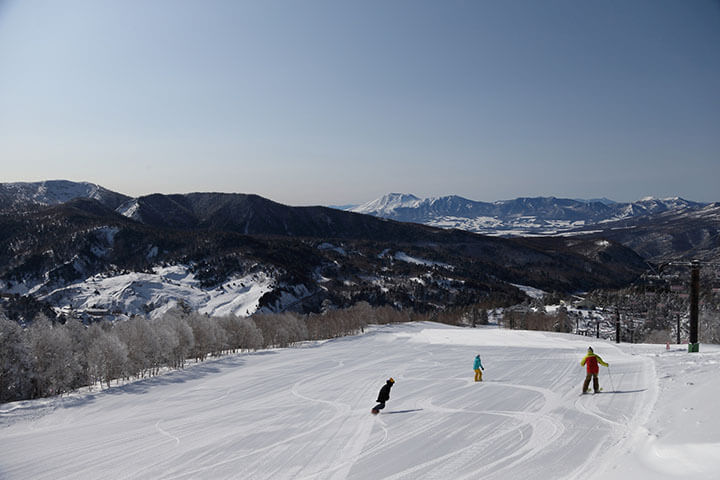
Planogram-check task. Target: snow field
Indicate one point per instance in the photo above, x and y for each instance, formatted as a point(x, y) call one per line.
point(303, 413)
point(161, 290)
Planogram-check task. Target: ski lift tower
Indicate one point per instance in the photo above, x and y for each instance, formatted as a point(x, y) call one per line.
point(693, 345)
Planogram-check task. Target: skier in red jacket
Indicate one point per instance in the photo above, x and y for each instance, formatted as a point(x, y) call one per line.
point(592, 360)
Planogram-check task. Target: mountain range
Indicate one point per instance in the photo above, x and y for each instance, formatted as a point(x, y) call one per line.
point(658, 229)
point(521, 216)
point(234, 253)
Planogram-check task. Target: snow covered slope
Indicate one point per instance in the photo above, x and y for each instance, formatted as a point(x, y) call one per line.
point(53, 192)
point(157, 292)
point(303, 413)
point(387, 205)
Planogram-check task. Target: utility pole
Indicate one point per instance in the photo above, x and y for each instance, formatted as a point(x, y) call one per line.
point(597, 328)
point(678, 328)
point(693, 345)
point(617, 325)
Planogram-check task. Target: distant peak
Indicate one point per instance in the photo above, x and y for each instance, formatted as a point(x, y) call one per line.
point(400, 196)
point(651, 198)
point(388, 203)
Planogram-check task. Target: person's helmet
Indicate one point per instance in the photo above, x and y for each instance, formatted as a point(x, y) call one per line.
point(590, 349)
point(391, 380)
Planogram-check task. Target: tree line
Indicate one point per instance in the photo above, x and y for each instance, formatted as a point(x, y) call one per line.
point(646, 316)
point(50, 358)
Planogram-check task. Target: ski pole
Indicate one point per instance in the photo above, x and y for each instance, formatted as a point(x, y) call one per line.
point(611, 380)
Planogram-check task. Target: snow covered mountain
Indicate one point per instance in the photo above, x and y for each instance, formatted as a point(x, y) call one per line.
point(106, 252)
point(521, 216)
point(53, 192)
point(240, 253)
point(387, 205)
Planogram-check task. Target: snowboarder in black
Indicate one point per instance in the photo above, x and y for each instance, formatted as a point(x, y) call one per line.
point(383, 396)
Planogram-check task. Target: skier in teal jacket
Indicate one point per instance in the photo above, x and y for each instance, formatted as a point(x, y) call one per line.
point(477, 366)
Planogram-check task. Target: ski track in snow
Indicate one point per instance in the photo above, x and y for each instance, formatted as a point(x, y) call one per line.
point(157, 427)
point(303, 413)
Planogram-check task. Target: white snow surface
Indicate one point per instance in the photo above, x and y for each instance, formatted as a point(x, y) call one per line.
point(51, 192)
point(161, 290)
point(130, 209)
point(531, 292)
point(303, 413)
point(387, 204)
point(404, 257)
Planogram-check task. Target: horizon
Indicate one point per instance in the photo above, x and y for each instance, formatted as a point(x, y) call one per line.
point(327, 104)
point(349, 205)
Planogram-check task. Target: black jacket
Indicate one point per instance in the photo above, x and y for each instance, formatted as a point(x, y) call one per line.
point(384, 394)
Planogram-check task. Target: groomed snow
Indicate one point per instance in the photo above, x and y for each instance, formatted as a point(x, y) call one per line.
point(303, 413)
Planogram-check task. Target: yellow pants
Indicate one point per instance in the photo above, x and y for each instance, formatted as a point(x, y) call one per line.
point(478, 375)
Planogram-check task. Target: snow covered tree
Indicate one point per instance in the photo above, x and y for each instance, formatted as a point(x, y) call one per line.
point(241, 333)
point(281, 330)
point(52, 353)
point(15, 362)
point(709, 324)
point(107, 355)
point(142, 345)
point(176, 320)
point(292, 330)
point(186, 340)
point(167, 341)
point(210, 338)
point(164, 343)
point(251, 337)
point(80, 341)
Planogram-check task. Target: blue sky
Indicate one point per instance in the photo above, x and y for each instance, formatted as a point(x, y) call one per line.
point(334, 102)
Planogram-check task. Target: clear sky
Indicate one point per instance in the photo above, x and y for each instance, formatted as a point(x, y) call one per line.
point(335, 102)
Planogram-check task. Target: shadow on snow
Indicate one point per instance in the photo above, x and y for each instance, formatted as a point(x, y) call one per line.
point(625, 391)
